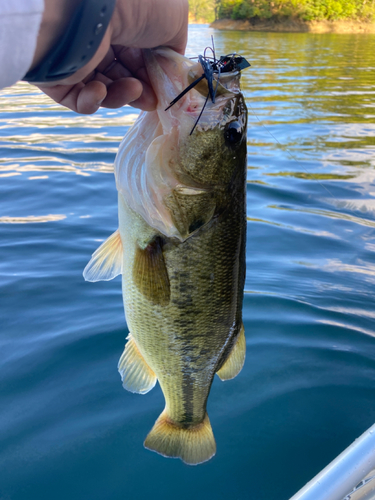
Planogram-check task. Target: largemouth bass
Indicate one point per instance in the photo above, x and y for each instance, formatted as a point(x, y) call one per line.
point(180, 248)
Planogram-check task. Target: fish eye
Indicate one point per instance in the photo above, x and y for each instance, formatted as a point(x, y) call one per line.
point(233, 133)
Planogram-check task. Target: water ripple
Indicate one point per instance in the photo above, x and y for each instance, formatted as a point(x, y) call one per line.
point(308, 306)
point(32, 219)
point(328, 213)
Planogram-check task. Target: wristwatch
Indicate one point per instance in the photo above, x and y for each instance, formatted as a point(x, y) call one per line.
point(79, 43)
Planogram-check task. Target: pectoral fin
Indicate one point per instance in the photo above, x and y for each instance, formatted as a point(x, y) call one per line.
point(236, 359)
point(135, 373)
point(106, 261)
point(150, 272)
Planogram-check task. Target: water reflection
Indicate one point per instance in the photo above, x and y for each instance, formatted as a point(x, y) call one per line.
point(10, 174)
point(330, 214)
point(298, 229)
point(335, 265)
point(32, 219)
point(311, 176)
point(309, 301)
point(371, 333)
point(35, 164)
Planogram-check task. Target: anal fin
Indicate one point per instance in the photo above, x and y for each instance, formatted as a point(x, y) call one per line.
point(236, 359)
point(106, 262)
point(135, 373)
point(150, 273)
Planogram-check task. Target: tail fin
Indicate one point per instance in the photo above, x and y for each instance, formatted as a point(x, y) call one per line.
point(194, 445)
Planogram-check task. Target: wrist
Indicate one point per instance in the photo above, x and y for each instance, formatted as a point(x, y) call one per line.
point(83, 26)
point(56, 16)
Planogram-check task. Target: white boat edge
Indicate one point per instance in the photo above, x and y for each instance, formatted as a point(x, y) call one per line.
point(347, 475)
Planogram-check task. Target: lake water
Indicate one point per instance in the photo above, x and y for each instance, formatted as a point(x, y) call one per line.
point(68, 430)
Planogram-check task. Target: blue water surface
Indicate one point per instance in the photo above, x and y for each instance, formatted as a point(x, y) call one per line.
point(68, 430)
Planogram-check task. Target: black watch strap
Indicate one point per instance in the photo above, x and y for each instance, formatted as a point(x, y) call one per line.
point(79, 43)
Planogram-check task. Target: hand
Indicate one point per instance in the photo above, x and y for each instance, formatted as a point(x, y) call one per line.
point(116, 75)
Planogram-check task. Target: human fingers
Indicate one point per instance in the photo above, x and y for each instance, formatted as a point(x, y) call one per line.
point(86, 98)
point(179, 41)
point(150, 23)
point(81, 97)
point(123, 62)
point(131, 60)
point(127, 68)
point(130, 91)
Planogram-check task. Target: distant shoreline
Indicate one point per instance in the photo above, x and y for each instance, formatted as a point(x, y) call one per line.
point(200, 21)
point(295, 26)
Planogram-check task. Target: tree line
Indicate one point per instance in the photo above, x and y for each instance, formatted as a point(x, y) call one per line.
point(279, 10)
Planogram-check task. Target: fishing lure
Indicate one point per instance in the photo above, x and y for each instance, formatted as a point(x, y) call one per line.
point(212, 66)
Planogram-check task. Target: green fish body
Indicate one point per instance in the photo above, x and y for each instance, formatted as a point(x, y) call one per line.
point(180, 248)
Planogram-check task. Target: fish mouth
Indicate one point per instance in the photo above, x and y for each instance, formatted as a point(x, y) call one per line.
point(170, 74)
point(148, 166)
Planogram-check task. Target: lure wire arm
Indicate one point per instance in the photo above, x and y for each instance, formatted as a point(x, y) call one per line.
point(212, 66)
point(185, 91)
point(200, 114)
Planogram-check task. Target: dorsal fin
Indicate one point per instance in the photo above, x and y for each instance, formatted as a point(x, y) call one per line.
point(106, 261)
